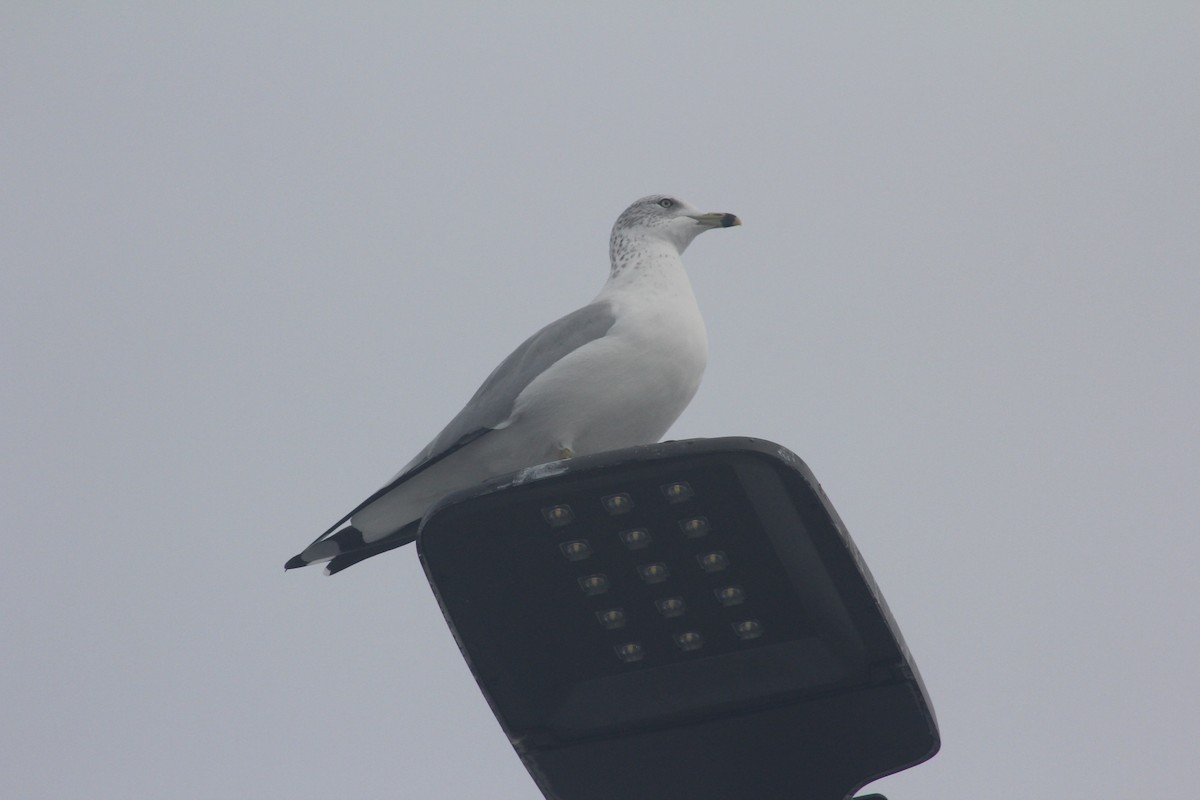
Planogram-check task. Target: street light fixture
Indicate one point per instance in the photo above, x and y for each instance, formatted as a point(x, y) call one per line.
point(681, 620)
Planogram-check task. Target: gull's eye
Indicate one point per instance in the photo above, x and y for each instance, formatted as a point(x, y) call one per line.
point(666, 202)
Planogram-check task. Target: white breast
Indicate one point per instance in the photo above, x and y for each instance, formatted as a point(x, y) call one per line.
point(629, 386)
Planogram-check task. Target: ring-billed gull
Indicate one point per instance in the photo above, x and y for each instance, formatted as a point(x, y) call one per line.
point(615, 373)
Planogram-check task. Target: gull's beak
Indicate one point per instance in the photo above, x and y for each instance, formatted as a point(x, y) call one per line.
point(716, 220)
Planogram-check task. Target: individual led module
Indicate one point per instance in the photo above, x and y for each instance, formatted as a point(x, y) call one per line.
point(577, 550)
point(748, 629)
point(653, 573)
point(712, 562)
point(629, 652)
point(671, 606)
point(677, 492)
point(730, 595)
point(611, 618)
point(558, 515)
point(689, 640)
point(617, 503)
point(594, 584)
point(636, 539)
point(694, 527)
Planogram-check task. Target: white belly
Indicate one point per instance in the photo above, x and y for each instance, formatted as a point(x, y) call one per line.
point(622, 390)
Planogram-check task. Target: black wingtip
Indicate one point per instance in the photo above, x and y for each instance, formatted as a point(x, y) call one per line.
point(294, 562)
point(405, 535)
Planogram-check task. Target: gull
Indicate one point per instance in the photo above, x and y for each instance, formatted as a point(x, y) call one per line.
point(615, 373)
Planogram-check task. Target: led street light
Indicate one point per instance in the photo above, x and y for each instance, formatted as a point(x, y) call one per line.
point(689, 619)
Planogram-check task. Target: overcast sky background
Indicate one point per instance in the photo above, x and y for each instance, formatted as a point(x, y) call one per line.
point(254, 259)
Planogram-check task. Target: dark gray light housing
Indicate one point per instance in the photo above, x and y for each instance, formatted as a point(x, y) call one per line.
point(688, 619)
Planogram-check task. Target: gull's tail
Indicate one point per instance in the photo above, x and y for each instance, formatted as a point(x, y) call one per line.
point(347, 547)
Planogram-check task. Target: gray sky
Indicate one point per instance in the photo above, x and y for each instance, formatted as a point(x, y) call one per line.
point(253, 260)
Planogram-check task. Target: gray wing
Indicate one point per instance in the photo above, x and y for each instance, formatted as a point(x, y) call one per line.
point(492, 403)
point(490, 406)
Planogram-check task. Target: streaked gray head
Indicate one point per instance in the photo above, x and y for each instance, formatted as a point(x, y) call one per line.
point(664, 217)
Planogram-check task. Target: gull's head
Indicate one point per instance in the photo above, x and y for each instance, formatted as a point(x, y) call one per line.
point(668, 218)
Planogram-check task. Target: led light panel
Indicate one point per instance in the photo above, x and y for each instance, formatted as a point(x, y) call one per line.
point(672, 621)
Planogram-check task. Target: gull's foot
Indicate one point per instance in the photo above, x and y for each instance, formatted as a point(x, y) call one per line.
point(565, 453)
